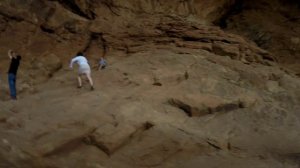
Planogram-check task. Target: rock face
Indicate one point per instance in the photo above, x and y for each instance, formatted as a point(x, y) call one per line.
point(272, 25)
point(178, 91)
point(101, 24)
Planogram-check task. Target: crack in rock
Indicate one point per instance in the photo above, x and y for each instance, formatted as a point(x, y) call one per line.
point(193, 111)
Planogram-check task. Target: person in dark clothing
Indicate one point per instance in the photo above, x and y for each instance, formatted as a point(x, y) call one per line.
point(12, 73)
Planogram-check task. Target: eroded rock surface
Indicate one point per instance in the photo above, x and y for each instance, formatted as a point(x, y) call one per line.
point(177, 91)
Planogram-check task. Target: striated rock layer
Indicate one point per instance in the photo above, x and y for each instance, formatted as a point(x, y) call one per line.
point(272, 24)
point(40, 28)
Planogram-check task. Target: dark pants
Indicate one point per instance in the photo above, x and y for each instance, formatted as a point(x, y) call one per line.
point(12, 85)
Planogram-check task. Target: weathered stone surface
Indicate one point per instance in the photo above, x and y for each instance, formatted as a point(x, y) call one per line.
point(110, 138)
point(272, 25)
point(177, 92)
point(52, 63)
point(224, 49)
point(229, 102)
point(61, 140)
point(193, 45)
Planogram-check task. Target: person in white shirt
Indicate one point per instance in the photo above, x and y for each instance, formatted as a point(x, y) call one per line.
point(84, 69)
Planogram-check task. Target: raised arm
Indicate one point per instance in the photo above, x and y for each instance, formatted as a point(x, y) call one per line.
point(10, 54)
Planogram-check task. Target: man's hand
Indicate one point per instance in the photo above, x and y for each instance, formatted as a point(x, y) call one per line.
point(10, 54)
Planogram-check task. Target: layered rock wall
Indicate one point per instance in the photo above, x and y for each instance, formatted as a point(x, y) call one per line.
point(39, 28)
point(272, 24)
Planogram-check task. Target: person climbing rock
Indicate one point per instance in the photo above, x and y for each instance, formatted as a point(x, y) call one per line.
point(12, 73)
point(102, 63)
point(84, 69)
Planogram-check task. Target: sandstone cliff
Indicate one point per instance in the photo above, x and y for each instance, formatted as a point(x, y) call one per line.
point(190, 83)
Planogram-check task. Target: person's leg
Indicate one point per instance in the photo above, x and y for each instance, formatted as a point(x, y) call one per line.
point(12, 85)
point(88, 75)
point(79, 81)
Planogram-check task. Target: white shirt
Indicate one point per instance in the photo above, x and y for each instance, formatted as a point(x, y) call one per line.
point(80, 60)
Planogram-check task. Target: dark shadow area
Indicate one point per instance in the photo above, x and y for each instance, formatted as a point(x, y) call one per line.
point(73, 7)
point(235, 9)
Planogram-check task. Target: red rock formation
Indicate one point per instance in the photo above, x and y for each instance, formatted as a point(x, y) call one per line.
point(178, 91)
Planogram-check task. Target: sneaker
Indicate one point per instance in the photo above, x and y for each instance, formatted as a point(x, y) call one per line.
point(92, 88)
point(79, 87)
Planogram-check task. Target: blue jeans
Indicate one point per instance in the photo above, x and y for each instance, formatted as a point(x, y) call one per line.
point(12, 85)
